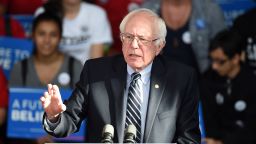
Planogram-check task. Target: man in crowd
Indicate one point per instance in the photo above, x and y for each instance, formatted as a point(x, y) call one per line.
point(228, 93)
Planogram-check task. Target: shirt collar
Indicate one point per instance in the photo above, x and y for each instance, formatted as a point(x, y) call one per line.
point(145, 73)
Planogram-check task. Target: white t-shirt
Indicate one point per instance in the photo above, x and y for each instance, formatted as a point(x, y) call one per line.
point(90, 26)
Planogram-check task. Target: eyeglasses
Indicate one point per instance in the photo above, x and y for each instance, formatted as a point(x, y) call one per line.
point(219, 61)
point(128, 39)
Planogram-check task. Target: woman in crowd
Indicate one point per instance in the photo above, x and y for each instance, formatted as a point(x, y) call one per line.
point(47, 64)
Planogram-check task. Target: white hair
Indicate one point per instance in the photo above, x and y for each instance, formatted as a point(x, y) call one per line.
point(159, 23)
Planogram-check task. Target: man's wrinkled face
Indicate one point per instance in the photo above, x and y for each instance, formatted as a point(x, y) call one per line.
point(139, 41)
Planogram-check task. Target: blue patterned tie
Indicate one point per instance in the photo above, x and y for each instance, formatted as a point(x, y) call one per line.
point(133, 112)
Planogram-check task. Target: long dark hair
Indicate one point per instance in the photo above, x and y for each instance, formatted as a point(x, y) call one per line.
point(46, 16)
point(55, 7)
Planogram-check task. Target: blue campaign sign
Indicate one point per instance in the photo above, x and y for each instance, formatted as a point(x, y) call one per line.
point(234, 8)
point(13, 50)
point(25, 114)
point(26, 22)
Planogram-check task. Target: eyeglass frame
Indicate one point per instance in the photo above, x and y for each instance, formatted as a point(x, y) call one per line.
point(140, 39)
point(219, 61)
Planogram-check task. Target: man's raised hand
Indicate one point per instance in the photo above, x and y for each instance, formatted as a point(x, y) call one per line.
point(52, 102)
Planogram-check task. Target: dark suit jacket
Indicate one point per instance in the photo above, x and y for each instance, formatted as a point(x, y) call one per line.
point(172, 114)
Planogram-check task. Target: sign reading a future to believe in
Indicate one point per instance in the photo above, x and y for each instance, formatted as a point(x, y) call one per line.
point(25, 114)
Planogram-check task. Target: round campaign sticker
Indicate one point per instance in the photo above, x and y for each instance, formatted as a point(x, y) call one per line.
point(249, 39)
point(64, 78)
point(200, 24)
point(186, 37)
point(219, 98)
point(240, 123)
point(240, 105)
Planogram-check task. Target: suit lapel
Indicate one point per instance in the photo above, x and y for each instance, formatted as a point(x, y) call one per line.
point(118, 84)
point(157, 85)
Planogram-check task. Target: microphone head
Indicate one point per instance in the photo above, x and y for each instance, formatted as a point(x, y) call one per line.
point(131, 129)
point(108, 129)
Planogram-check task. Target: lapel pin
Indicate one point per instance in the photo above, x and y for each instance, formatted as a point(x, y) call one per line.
point(156, 86)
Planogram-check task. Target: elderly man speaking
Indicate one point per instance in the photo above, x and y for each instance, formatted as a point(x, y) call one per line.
point(159, 97)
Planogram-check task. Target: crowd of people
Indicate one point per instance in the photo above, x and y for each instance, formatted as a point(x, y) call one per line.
point(67, 34)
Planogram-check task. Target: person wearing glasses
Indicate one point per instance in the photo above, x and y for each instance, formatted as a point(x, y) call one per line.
point(228, 93)
point(141, 88)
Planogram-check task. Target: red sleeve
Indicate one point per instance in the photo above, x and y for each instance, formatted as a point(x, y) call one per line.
point(3, 90)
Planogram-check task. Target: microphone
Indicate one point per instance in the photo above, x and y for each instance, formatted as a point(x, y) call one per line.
point(107, 134)
point(130, 134)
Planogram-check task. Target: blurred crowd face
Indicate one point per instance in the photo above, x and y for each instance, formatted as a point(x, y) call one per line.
point(46, 37)
point(221, 63)
point(139, 41)
point(3, 6)
point(165, 5)
point(169, 2)
point(71, 2)
point(2, 9)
